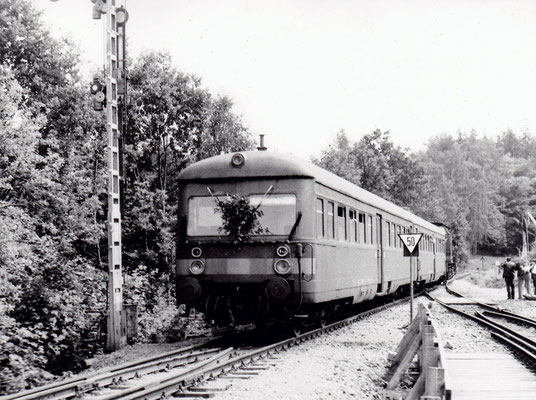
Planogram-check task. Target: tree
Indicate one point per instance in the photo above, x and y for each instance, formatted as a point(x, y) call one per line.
point(375, 164)
point(340, 159)
point(461, 189)
point(47, 165)
point(174, 122)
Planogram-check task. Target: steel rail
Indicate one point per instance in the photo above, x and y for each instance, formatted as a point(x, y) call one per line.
point(515, 345)
point(157, 388)
point(188, 378)
point(502, 312)
point(74, 386)
point(511, 335)
point(484, 305)
point(205, 369)
point(512, 316)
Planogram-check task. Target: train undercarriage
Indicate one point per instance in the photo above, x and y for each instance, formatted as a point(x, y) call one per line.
point(270, 305)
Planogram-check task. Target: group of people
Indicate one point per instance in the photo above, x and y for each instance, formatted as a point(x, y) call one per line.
point(524, 271)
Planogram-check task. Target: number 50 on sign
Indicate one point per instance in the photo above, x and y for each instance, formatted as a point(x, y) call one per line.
point(411, 242)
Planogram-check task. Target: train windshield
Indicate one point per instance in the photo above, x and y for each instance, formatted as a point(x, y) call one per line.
point(279, 215)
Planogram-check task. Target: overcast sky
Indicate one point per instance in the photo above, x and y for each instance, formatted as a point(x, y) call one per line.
point(299, 71)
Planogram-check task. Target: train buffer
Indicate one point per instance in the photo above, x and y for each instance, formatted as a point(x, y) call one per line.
point(489, 376)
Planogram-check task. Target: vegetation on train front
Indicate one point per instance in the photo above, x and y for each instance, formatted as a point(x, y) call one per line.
point(240, 219)
point(53, 242)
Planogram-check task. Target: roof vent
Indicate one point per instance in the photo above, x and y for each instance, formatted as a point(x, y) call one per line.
point(261, 144)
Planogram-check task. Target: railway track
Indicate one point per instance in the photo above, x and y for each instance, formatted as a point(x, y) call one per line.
point(516, 333)
point(114, 376)
point(180, 372)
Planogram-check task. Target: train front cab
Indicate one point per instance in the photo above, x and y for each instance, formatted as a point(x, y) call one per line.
point(262, 273)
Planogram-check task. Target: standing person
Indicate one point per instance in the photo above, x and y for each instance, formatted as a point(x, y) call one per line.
point(508, 268)
point(533, 274)
point(523, 277)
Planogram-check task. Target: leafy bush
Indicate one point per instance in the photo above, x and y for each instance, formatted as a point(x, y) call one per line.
point(240, 218)
point(159, 318)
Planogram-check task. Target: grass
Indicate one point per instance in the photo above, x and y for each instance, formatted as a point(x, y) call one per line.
point(485, 271)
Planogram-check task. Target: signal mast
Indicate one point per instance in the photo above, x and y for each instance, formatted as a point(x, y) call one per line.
point(113, 95)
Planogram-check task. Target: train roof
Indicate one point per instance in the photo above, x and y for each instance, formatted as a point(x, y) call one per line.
point(264, 164)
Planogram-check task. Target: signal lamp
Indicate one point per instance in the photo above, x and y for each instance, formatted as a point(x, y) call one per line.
point(282, 251)
point(121, 16)
point(98, 90)
point(238, 160)
point(96, 86)
point(197, 267)
point(196, 252)
point(282, 267)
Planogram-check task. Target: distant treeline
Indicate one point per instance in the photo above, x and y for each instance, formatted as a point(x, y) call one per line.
point(479, 187)
point(53, 208)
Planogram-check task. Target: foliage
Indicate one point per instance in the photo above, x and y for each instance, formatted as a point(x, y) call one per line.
point(53, 249)
point(476, 186)
point(340, 159)
point(174, 123)
point(240, 218)
point(52, 165)
point(160, 319)
point(375, 164)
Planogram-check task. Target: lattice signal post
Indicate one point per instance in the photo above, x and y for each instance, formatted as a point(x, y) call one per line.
point(113, 95)
point(115, 73)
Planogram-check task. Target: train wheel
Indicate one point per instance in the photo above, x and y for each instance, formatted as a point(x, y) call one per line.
point(323, 318)
point(296, 329)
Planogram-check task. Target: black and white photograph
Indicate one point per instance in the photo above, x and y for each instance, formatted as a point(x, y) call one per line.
point(270, 200)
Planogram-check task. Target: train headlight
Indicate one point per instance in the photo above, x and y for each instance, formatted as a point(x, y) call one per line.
point(196, 252)
point(238, 160)
point(282, 267)
point(282, 251)
point(197, 267)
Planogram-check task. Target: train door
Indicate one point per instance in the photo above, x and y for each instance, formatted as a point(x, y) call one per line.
point(434, 256)
point(379, 251)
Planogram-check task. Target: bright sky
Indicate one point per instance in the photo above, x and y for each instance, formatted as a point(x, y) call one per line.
point(300, 70)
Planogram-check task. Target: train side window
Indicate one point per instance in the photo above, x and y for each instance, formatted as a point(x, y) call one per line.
point(331, 220)
point(389, 234)
point(393, 234)
point(353, 225)
point(370, 229)
point(341, 223)
point(320, 228)
point(362, 228)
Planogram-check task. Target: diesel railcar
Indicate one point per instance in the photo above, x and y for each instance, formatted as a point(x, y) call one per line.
point(325, 243)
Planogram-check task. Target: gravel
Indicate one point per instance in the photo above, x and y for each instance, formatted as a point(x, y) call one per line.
point(351, 362)
point(347, 363)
